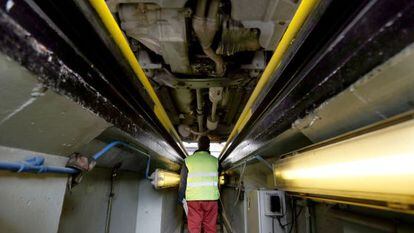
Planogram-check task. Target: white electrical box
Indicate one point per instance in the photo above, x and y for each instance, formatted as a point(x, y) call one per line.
point(263, 206)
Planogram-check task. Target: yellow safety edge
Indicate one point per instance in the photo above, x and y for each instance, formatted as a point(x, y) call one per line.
point(303, 11)
point(113, 28)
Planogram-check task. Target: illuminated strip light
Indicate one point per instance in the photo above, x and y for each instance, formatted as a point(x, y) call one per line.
point(164, 179)
point(377, 166)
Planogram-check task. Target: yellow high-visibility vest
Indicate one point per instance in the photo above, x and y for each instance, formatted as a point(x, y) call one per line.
point(202, 178)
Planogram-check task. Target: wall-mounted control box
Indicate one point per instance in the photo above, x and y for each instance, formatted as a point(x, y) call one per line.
point(262, 207)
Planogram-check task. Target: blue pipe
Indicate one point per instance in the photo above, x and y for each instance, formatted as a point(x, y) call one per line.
point(116, 143)
point(113, 144)
point(35, 164)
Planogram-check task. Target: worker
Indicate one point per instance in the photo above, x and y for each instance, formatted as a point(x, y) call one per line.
point(198, 191)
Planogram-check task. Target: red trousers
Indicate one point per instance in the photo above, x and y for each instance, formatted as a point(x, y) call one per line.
point(202, 215)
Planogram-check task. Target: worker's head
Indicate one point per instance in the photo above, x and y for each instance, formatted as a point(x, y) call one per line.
point(204, 143)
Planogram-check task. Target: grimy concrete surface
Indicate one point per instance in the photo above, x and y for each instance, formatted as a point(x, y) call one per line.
point(129, 160)
point(34, 118)
point(124, 209)
point(30, 202)
point(384, 92)
point(255, 177)
point(85, 207)
point(136, 208)
point(158, 211)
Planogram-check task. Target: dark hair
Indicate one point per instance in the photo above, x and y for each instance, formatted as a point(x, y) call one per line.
point(204, 143)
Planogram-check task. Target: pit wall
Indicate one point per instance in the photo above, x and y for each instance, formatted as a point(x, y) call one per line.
point(42, 202)
point(310, 216)
point(256, 176)
point(30, 202)
point(136, 206)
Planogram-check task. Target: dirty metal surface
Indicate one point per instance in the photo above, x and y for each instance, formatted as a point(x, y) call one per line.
point(33, 43)
point(378, 31)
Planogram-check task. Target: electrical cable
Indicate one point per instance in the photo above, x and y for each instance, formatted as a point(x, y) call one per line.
point(114, 174)
point(294, 216)
point(239, 185)
point(293, 220)
point(280, 224)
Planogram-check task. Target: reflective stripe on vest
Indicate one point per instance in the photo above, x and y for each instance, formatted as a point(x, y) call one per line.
point(202, 174)
point(202, 178)
point(202, 184)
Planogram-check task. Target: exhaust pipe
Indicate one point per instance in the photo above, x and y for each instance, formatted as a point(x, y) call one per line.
point(206, 25)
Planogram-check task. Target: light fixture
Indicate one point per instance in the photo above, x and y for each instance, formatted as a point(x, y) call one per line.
point(164, 179)
point(376, 166)
point(222, 179)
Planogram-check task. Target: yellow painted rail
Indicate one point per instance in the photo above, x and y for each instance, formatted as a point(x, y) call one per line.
point(116, 33)
point(302, 13)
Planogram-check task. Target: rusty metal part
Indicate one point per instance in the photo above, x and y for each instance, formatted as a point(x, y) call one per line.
point(170, 80)
point(200, 115)
point(235, 38)
point(320, 69)
point(206, 25)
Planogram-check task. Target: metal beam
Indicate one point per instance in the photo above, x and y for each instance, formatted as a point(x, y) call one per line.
point(338, 50)
point(118, 36)
point(40, 46)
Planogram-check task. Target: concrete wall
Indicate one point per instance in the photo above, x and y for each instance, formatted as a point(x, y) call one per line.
point(136, 208)
point(30, 202)
point(158, 211)
point(85, 208)
point(255, 177)
point(124, 209)
point(35, 118)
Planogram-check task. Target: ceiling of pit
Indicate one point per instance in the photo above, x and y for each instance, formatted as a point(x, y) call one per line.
point(204, 57)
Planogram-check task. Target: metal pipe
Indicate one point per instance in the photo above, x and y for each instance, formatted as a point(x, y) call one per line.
point(213, 111)
point(302, 13)
point(201, 8)
point(213, 9)
point(200, 115)
point(215, 95)
point(206, 29)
